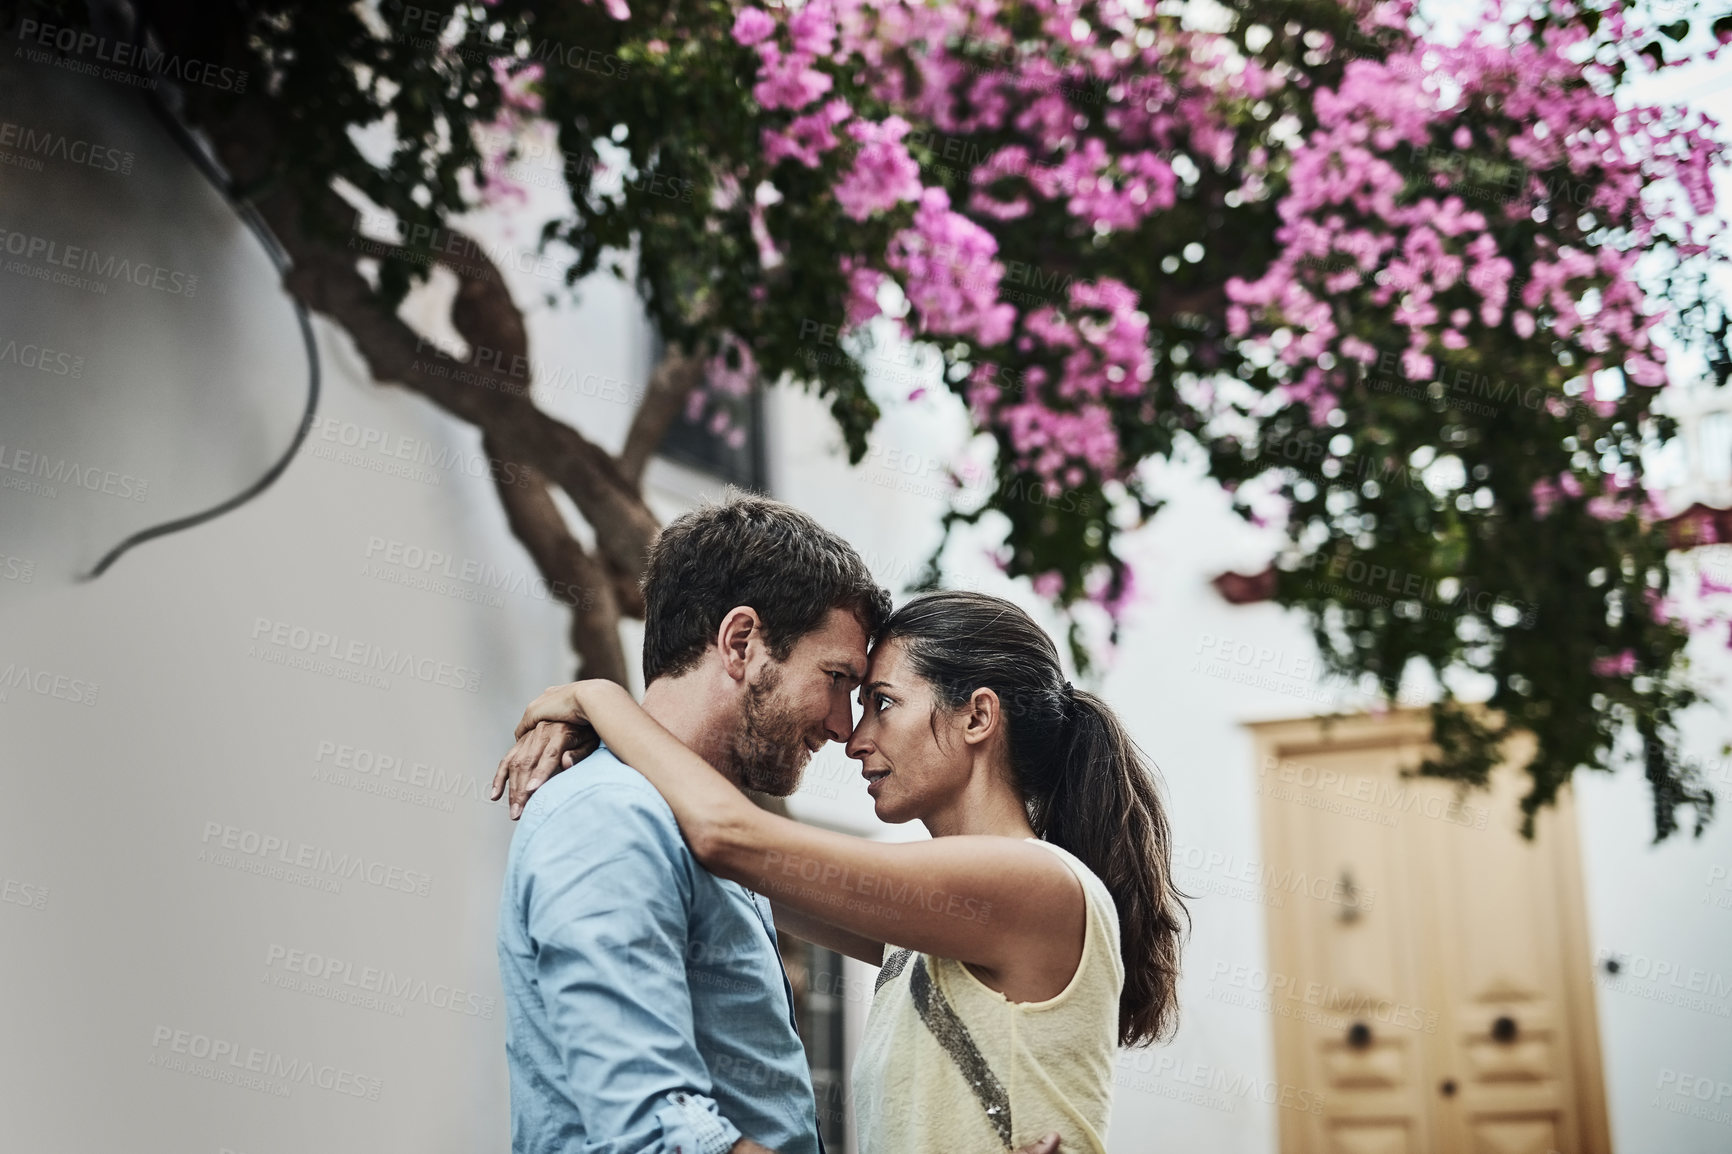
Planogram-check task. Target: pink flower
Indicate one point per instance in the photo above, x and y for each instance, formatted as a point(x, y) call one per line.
point(1049, 584)
point(951, 276)
point(1604, 508)
point(808, 137)
point(1644, 371)
point(516, 88)
point(813, 29)
point(1362, 351)
point(1545, 496)
point(1047, 440)
point(883, 174)
point(615, 8)
point(789, 83)
point(753, 26)
point(731, 382)
point(1352, 189)
point(1621, 665)
point(863, 282)
point(1100, 590)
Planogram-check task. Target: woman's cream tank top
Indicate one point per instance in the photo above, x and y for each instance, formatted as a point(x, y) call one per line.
point(948, 1066)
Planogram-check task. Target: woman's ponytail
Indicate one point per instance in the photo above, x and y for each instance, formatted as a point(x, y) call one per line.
point(1106, 810)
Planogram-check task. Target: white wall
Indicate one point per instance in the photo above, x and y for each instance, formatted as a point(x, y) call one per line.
point(1665, 914)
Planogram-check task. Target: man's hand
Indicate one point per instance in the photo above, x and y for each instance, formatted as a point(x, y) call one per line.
point(537, 756)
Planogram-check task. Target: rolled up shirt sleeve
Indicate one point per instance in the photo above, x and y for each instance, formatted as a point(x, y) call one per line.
point(608, 916)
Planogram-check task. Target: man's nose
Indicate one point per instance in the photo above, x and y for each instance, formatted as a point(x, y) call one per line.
point(840, 721)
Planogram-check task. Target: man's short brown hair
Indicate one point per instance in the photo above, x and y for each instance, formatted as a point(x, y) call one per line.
point(752, 551)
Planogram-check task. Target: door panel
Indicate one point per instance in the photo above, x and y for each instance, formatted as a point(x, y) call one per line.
point(1378, 1138)
point(1432, 977)
point(1497, 940)
point(1345, 988)
point(1515, 1136)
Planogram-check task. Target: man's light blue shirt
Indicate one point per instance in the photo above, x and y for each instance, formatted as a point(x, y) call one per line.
point(646, 1007)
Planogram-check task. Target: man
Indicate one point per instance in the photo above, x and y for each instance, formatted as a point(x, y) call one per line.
point(647, 1008)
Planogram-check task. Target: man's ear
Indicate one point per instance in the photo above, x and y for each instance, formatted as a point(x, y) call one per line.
point(739, 632)
point(983, 716)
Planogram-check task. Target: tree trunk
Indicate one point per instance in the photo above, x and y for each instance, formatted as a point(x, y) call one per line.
point(529, 449)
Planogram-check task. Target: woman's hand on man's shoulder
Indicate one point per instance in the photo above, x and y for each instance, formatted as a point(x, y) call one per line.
point(549, 748)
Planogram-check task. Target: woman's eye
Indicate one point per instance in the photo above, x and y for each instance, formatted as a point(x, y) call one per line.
point(881, 702)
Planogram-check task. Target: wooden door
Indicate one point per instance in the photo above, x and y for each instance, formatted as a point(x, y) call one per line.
point(1436, 989)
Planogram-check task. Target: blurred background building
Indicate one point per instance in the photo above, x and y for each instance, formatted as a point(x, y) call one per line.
point(226, 852)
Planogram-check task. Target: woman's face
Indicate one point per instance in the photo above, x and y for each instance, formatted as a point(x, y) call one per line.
point(909, 771)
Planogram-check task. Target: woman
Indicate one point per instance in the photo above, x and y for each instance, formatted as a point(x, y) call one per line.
point(1017, 964)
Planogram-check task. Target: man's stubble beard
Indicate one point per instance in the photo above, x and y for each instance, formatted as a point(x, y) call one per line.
point(769, 751)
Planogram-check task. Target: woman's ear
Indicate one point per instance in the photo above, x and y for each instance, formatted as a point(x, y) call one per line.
point(739, 629)
point(984, 714)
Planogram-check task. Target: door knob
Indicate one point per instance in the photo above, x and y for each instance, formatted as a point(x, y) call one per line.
point(1504, 1029)
point(1351, 904)
point(1447, 1088)
point(1359, 1035)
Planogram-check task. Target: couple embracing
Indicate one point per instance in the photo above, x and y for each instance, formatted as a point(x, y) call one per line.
point(1034, 933)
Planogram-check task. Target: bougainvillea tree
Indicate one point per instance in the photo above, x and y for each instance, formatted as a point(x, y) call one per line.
point(1412, 295)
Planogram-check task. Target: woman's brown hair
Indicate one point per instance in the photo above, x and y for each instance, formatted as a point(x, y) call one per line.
point(1089, 788)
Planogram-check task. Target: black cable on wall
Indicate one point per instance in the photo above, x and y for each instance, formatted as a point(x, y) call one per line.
point(219, 180)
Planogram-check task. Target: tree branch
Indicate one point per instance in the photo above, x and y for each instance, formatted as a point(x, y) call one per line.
point(527, 446)
point(672, 382)
point(573, 575)
point(325, 280)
